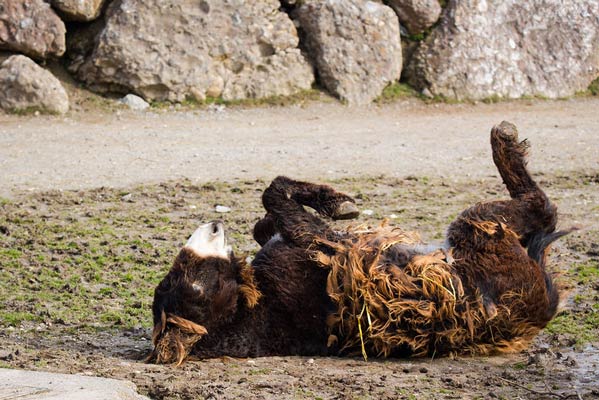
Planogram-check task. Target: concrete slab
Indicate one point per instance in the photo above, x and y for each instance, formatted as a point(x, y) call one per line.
point(29, 385)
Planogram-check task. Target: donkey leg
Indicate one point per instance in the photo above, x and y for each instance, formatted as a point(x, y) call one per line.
point(287, 214)
point(324, 199)
point(530, 212)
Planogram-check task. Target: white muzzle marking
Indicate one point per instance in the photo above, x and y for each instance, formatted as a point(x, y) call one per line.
point(209, 241)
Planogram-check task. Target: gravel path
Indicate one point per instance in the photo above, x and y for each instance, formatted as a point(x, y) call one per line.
point(85, 150)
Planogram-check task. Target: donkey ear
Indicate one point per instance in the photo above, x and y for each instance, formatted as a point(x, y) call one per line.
point(186, 326)
point(174, 338)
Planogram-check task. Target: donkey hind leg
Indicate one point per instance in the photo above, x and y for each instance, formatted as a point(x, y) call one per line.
point(284, 200)
point(529, 214)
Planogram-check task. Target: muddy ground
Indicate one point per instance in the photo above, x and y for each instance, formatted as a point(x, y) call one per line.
point(80, 261)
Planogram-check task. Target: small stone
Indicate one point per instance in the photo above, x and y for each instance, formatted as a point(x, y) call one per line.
point(134, 102)
point(427, 93)
point(217, 108)
point(222, 209)
point(128, 198)
point(423, 370)
point(368, 212)
point(197, 95)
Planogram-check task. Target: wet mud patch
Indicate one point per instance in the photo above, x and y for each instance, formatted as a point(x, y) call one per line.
point(79, 269)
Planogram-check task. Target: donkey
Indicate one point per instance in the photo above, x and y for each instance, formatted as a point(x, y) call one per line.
point(312, 290)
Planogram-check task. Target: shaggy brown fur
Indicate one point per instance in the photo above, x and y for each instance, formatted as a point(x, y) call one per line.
point(370, 291)
point(417, 309)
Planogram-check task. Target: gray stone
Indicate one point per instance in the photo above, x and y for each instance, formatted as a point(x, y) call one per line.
point(31, 27)
point(24, 85)
point(134, 102)
point(79, 10)
point(170, 50)
point(19, 384)
point(355, 46)
point(416, 15)
point(222, 209)
point(510, 48)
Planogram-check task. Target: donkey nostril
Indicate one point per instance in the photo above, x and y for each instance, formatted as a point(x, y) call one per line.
point(216, 227)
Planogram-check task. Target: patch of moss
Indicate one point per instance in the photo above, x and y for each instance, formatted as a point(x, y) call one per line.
point(594, 87)
point(397, 91)
point(582, 326)
point(586, 272)
point(300, 97)
point(15, 318)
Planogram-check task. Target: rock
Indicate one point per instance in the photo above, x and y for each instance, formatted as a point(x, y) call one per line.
point(509, 49)
point(222, 209)
point(50, 386)
point(169, 50)
point(355, 46)
point(416, 15)
point(24, 85)
point(127, 198)
point(134, 102)
point(79, 10)
point(31, 27)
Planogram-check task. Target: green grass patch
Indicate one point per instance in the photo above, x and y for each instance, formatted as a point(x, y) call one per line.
point(15, 318)
point(591, 90)
point(397, 91)
point(301, 97)
point(594, 87)
point(585, 272)
point(582, 326)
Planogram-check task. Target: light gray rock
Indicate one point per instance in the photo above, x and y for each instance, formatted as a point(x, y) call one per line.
point(222, 209)
point(134, 102)
point(24, 85)
point(416, 15)
point(355, 46)
point(510, 48)
point(19, 384)
point(79, 10)
point(170, 50)
point(31, 27)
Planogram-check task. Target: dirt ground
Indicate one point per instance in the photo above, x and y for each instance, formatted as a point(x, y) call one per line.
point(96, 204)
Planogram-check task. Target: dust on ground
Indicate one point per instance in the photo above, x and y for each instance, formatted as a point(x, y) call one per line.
point(79, 266)
point(89, 149)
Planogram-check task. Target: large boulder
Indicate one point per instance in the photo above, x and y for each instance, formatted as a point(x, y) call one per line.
point(355, 46)
point(26, 86)
point(79, 10)
point(416, 15)
point(31, 27)
point(170, 50)
point(510, 48)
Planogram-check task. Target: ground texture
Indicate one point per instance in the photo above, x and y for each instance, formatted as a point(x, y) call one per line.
point(95, 206)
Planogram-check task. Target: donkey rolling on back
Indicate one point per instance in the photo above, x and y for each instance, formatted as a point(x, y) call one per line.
point(314, 291)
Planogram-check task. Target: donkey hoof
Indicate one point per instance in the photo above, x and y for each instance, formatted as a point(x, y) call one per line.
point(346, 210)
point(506, 130)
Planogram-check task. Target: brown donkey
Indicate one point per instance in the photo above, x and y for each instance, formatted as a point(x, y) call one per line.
point(314, 291)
